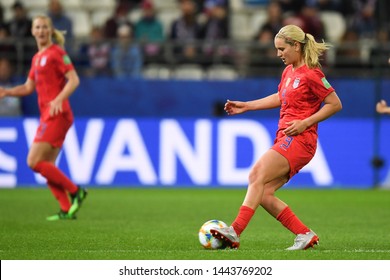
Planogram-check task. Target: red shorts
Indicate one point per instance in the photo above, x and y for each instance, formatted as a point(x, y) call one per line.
point(53, 129)
point(298, 150)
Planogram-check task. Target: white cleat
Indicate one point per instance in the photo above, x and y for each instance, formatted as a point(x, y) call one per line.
point(304, 241)
point(227, 235)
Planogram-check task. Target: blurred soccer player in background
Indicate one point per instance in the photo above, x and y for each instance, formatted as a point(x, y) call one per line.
point(302, 91)
point(53, 76)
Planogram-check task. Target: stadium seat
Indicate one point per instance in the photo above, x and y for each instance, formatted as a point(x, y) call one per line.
point(81, 22)
point(188, 72)
point(156, 71)
point(335, 25)
point(36, 4)
point(35, 12)
point(165, 4)
point(99, 17)
point(257, 20)
point(236, 5)
point(134, 15)
point(7, 3)
point(91, 5)
point(222, 72)
point(8, 14)
point(167, 16)
point(71, 4)
point(240, 26)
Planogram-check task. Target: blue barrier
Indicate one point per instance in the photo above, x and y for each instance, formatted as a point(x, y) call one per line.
point(193, 152)
point(106, 97)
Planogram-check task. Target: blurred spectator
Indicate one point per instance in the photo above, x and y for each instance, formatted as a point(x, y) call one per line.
point(186, 31)
point(117, 20)
point(20, 25)
point(382, 12)
point(292, 6)
point(9, 106)
point(309, 20)
point(274, 21)
point(96, 54)
point(262, 52)
point(7, 45)
point(216, 28)
point(2, 21)
point(129, 4)
point(254, 3)
point(348, 52)
point(380, 53)
point(59, 19)
point(265, 40)
point(363, 20)
point(312, 22)
point(126, 56)
point(149, 31)
point(327, 5)
point(20, 30)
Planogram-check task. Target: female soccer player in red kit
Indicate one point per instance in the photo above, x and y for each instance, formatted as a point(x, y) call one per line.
point(302, 91)
point(53, 76)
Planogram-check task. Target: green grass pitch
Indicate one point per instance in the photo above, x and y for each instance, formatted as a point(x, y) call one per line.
point(163, 223)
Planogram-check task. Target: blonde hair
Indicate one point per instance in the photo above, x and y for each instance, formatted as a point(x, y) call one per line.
point(311, 49)
point(57, 35)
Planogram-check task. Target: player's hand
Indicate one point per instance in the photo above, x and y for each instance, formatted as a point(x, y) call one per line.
point(234, 107)
point(55, 107)
point(295, 127)
point(381, 107)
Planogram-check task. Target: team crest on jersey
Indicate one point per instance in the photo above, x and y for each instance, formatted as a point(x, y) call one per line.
point(43, 61)
point(296, 83)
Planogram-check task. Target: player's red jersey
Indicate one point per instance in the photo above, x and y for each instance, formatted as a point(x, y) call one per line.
point(301, 93)
point(48, 69)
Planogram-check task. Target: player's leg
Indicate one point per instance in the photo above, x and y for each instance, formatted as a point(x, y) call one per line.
point(305, 238)
point(298, 155)
point(41, 159)
point(49, 139)
point(280, 210)
point(271, 166)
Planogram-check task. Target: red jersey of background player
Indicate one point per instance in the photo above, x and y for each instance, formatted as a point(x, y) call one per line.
point(48, 69)
point(301, 93)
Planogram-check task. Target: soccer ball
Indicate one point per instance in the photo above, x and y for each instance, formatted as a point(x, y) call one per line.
point(205, 237)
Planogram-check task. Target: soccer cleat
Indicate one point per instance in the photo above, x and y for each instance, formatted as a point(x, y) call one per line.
point(304, 241)
point(61, 216)
point(227, 235)
point(77, 200)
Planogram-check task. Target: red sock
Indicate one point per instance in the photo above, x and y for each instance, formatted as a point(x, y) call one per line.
point(61, 196)
point(242, 220)
point(291, 222)
point(55, 176)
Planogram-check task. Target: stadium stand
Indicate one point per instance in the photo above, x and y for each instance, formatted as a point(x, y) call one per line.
point(188, 72)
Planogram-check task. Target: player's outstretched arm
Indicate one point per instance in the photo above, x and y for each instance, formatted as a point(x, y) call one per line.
point(238, 107)
point(18, 91)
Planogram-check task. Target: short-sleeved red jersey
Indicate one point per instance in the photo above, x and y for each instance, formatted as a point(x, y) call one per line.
point(301, 93)
point(48, 69)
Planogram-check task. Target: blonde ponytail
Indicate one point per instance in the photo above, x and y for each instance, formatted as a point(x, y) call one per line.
point(59, 37)
point(311, 49)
